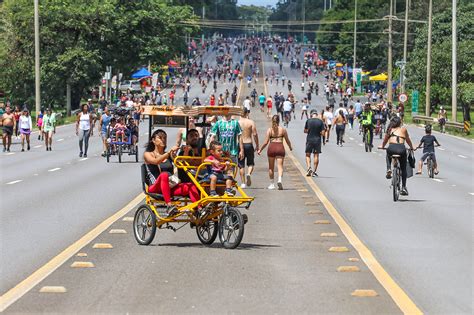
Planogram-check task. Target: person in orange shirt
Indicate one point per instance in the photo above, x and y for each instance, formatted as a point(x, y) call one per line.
point(171, 97)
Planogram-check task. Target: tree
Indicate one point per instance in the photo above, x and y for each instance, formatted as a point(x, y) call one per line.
point(441, 58)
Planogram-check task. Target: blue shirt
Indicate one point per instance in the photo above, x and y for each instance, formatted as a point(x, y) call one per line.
point(358, 107)
point(105, 122)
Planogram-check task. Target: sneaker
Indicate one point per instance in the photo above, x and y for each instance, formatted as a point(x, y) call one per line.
point(22, 150)
point(248, 179)
point(404, 191)
point(171, 210)
point(280, 186)
point(309, 172)
point(8, 150)
point(213, 193)
point(85, 155)
point(80, 154)
point(230, 192)
point(28, 147)
point(389, 174)
point(315, 174)
point(271, 187)
point(243, 185)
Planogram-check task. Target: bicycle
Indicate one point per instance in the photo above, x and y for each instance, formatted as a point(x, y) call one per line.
point(396, 176)
point(366, 139)
point(430, 164)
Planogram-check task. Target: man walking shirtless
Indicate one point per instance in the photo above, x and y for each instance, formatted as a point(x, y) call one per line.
point(8, 125)
point(249, 136)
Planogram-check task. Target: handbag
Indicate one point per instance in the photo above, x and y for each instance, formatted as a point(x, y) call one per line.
point(411, 158)
point(173, 179)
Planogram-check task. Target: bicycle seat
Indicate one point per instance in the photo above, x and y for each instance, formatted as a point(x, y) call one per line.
point(396, 156)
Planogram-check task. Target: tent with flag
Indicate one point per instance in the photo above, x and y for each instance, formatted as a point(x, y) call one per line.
point(142, 73)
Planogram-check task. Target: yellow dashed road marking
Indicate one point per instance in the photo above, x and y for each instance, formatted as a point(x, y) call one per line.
point(82, 264)
point(339, 249)
point(322, 222)
point(364, 293)
point(102, 246)
point(348, 269)
point(328, 234)
point(53, 289)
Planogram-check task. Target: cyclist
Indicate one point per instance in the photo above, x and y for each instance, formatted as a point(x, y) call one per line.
point(428, 142)
point(396, 137)
point(367, 122)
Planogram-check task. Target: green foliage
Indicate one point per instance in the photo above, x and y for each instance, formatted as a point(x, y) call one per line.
point(78, 39)
point(441, 57)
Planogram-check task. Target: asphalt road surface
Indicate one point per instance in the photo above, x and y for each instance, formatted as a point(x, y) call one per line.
point(425, 240)
point(51, 199)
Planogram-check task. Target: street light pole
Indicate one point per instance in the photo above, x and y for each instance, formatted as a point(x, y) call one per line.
point(37, 60)
point(389, 61)
point(428, 63)
point(405, 44)
point(303, 18)
point(454, 98)
point(355, 41)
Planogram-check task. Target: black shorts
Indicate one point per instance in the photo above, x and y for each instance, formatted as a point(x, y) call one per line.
point(249, 155)
point(313, 147)
point(8, 130)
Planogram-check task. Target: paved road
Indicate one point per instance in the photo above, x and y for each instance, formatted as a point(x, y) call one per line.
point(282, 266)
point(412, 238)
point(51, 199)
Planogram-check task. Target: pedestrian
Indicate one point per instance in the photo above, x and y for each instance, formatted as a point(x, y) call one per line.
point(25, 129)
point(340, 125)
point(102, 128)
point(261, 102)
point(8, 125)
point(249, 137)
point(328, 117)
point(304, 108)
point(269, 106)
point(49, 127)
point(247, 103)
point(84, 129)
point(350, 116)
point(16, 114)
point(315, 129)
point(39, 124)
point(276, 151)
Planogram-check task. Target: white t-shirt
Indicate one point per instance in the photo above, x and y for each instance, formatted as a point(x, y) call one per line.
point(329, 117)
point(349, 91)
point(25, 122)
point(247, 104)
point(344, 111)
point(287, 106)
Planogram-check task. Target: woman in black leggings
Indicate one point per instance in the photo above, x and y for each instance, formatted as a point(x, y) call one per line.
point(396, 137)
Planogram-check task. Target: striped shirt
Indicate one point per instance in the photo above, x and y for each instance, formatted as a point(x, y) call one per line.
point(227, 133)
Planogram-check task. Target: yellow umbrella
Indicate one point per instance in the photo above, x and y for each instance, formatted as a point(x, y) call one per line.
point(379, 77)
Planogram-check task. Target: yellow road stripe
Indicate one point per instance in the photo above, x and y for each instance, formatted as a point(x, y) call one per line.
point(399, 296)
point(39, 275)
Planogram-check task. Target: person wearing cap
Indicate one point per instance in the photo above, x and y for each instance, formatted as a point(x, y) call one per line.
point(315, 129)
point(49, 127)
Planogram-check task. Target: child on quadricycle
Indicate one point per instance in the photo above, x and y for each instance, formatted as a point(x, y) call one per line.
point(217, 169)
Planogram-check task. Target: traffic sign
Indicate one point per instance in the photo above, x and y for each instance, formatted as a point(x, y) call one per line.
point(402, 98)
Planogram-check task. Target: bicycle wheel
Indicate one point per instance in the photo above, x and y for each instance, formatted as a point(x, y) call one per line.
point(366, 142)
point(231, 228)
point(430, 167)
point(207, 232)
point(144, 225)
point(107, 153)
point(396, 183)
point(119, 149)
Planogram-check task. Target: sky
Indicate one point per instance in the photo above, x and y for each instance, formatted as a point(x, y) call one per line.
point(257, 2)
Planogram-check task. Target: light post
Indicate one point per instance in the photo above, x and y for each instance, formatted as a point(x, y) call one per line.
point(454, 96)
point(37, 60)
point(428, 63)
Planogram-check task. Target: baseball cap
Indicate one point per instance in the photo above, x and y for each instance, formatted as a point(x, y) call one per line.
point(313, 112)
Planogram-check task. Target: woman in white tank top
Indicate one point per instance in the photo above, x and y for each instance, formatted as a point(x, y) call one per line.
point(84, 129)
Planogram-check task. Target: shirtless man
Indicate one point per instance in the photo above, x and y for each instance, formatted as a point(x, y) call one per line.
point(249, 136)
point(8, 125)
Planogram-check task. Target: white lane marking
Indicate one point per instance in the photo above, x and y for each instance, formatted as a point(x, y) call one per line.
point(361, 144)
point(38, 146)
point(462, 156)
point(14, 182)
point(83, 159)
point(351, 138)
point(54, 169)
point(453, 185)
point(59, 140)
point(438, 180)
point(472, 194)
point(374, 152)
point(442, 149)
point(35, 174)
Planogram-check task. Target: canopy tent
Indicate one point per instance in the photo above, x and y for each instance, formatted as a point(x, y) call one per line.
point(172, 63)
point(142, 73)
point(379, 77)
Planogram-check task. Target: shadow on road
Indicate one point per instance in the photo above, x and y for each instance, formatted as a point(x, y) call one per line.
point(242, 246)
